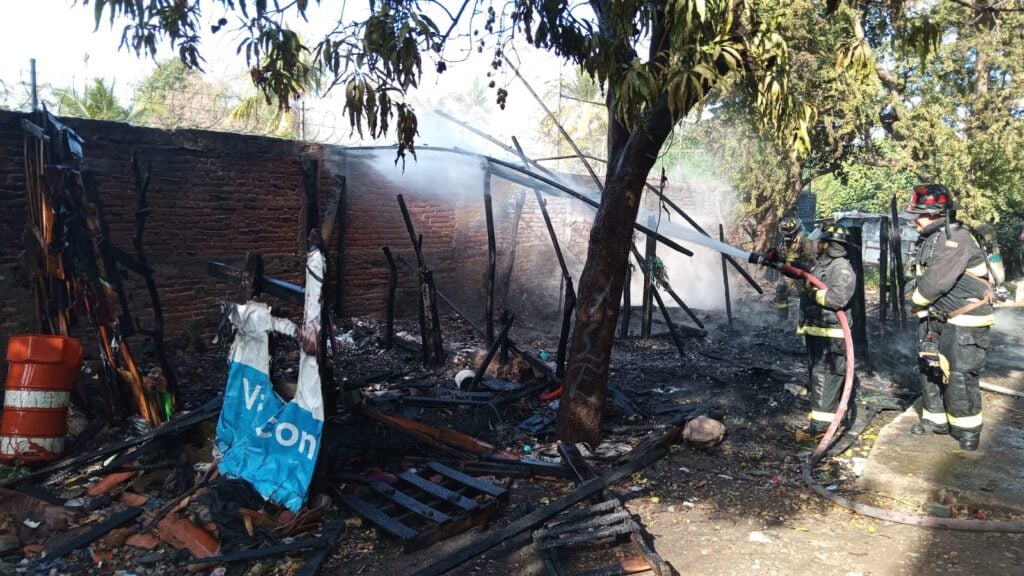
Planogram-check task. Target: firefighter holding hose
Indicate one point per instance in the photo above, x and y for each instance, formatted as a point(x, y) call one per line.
point(794, 247)
point(952, 298)
point(820, 327)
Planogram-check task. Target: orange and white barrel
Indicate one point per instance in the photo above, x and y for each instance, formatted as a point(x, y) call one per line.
point(41, 372)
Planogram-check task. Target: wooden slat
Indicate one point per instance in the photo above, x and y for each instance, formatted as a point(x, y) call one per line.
point(408, 502)
point(438, 491)
point(474, 483)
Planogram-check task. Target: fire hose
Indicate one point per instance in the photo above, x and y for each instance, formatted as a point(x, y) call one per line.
point(1007, 526)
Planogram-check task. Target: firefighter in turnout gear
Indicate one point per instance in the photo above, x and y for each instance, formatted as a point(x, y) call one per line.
point(794, 248)
point(820, 327)
point(952, 298)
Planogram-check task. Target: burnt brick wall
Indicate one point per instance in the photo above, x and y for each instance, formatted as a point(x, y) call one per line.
point(216, 196)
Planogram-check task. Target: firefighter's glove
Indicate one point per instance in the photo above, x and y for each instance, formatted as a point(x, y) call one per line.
point(773, 255)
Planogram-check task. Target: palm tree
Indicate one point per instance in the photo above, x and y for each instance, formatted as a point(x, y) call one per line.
point(99, 102)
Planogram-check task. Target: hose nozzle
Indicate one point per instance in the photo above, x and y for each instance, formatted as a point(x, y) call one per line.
point(756, 258)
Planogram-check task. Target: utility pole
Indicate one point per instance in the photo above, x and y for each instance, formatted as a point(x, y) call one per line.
point(35, 92)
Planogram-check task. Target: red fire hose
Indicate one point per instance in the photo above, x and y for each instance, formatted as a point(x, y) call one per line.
point(1009, 526)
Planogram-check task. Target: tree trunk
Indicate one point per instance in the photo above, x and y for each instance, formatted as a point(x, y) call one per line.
point(597, 304)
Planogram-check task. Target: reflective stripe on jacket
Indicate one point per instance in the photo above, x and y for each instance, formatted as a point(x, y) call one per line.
point(951, 273)
point(818, 308)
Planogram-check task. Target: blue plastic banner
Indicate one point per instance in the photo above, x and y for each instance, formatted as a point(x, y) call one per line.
point(270, 443)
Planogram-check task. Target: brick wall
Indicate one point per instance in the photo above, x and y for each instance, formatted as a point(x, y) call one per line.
point(216, 196)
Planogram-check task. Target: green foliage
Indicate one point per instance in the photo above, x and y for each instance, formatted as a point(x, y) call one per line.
point(99, 102)
point(861, 187)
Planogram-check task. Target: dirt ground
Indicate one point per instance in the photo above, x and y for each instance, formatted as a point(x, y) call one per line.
point(739, 508)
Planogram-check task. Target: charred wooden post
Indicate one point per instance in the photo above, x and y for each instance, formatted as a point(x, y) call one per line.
point(569, 305)
point(334, 217)
point(491, 351)
point(883, 273)
point(725, 277)
point(569, 294)
point(389, 326)
point(897, 238)
point(491, 259)
point(505, 280)
point(251, 285)
point(648, 298)
point(860, 329)
point(503, 319)
point(430, 325)
point(894, 283)
point(157, 333)
point(310, 169)
point(534, 361)
point(683, 305)
point(671, 325)
point(434, 346)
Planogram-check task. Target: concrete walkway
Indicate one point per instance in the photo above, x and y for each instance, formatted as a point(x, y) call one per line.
point(932, 469)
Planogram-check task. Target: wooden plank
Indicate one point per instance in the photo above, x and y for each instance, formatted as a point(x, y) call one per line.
point(537, 517)
point(408, 502)
point(94, 533)
point(332, 535)
point(378, 517)
point(438, 491)
point(474, 483)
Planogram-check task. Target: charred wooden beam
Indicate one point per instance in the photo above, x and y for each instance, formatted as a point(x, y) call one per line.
point(334, 217)
point(505, 280)
point(482, 369)
point(897, 238)
point(310, 169)
point(157, 333)
point(265, 552)
point(883, 273)
point(63, 547)
point(447, 439)
point(569, 292)
point(492, 260)
point(671, 325)
point(536, 363)
point(389, 323)
point(725, 277)
point(683, 305)
point(675, 207)
point(430, 329)
point(537, 517)
point(627, 305)
point(859, 306)
point(520, 175)
point(332, 536)
point(648, 298)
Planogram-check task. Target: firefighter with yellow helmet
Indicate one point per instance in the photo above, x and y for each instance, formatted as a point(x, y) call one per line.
point(820, 326)
point(952, 298)
point(799, 252)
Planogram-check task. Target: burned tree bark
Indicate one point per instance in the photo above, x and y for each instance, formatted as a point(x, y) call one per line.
point(597, 303)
